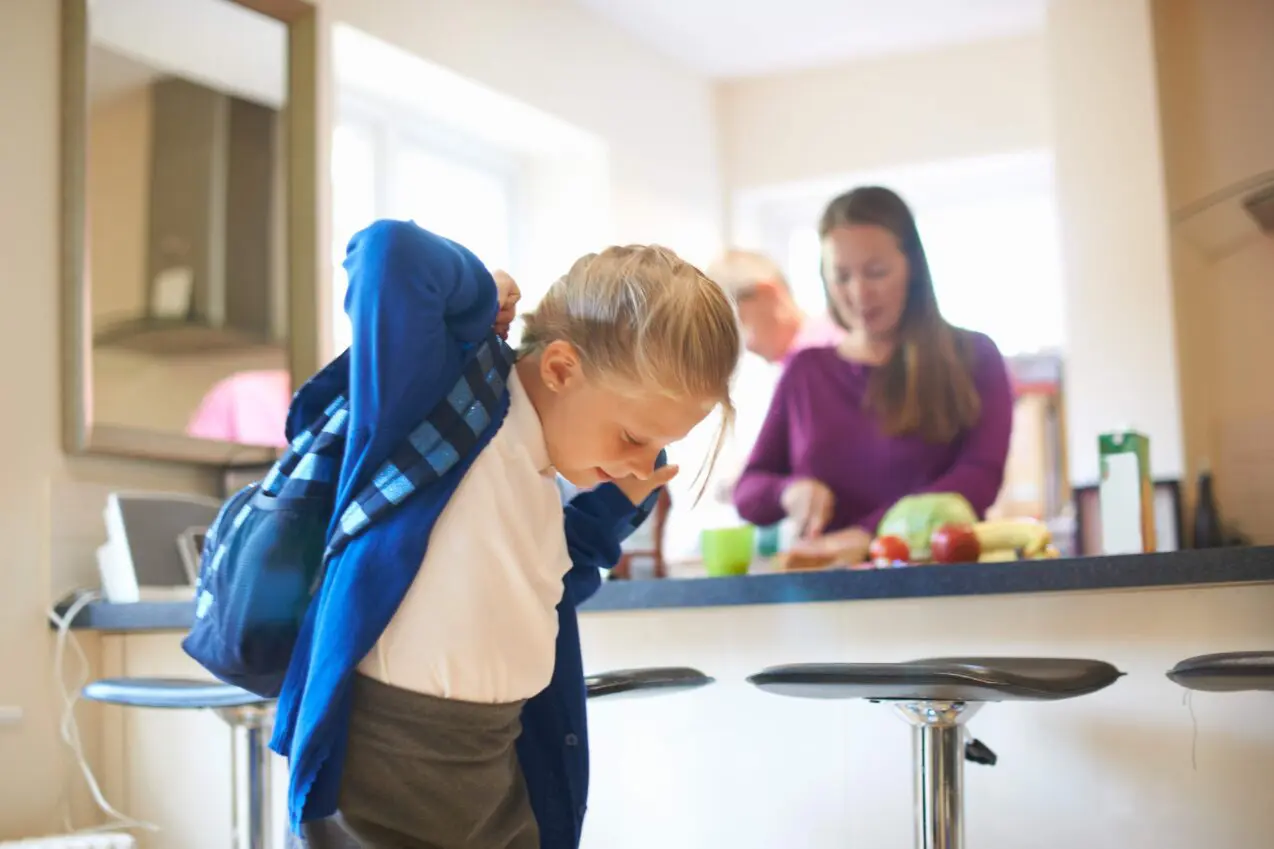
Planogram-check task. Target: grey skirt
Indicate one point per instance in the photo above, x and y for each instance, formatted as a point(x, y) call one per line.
point(428, 773)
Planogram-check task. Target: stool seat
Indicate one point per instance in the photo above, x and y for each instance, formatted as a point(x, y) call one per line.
point(249, 717)
point(937, 696)
point(170, 694)
point(654, 681)
point(949, 679)
point(1230, 672)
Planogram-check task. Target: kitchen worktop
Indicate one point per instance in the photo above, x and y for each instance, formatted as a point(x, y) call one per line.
point(1223, 566)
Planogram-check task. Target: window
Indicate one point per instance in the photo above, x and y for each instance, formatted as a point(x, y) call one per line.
point(804, 274)
point(466, 204)
point(997, 268)
point(385, 166)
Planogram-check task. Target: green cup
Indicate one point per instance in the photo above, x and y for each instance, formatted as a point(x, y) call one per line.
point(727, 551)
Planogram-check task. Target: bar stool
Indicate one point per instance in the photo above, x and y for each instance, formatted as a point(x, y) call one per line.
point(1230, 672)
point(249, 717)
point(653, 681)
point(937, 697)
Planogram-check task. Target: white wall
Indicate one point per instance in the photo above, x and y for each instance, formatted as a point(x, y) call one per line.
point(952, 103)
point(1121, 358)
point(655, 117)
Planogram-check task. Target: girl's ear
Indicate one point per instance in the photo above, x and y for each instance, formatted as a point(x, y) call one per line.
point(560, 365)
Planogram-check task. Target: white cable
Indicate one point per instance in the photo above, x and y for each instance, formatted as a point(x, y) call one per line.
point(70, 730)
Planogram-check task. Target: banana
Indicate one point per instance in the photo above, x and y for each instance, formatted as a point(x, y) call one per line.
point(1028, 536)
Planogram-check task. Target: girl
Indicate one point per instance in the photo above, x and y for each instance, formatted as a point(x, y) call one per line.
point(439, 702)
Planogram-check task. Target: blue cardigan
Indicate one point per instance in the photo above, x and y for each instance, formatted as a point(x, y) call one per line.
point(418, 302)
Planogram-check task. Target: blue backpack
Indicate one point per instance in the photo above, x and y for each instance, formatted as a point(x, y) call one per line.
point(266, 552)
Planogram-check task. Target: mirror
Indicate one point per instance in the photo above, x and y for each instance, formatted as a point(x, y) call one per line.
point(187, 127)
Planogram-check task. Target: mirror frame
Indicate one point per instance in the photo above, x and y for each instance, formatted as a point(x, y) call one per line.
point(303, 247)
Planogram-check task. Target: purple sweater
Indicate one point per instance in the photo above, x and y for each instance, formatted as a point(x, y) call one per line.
point(818, 427)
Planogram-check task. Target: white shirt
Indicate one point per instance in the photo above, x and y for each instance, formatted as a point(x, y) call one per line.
point(479, 622)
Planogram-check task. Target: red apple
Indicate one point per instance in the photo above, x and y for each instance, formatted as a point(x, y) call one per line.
point(886, 551)
point(954, 544)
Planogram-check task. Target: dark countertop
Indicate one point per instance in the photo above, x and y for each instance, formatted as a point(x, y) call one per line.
point(1139, 571)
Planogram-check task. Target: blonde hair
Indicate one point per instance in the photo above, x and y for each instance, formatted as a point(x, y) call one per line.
point(642, 316)
point(739, 271)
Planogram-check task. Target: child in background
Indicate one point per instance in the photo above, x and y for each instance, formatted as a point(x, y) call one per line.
point(440, 702)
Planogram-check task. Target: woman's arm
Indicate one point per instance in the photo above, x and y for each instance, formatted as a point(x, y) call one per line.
point(758, 494)
point(978, 470)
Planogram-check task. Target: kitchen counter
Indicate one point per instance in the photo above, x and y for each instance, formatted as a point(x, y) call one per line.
point(1170, 569)
point(1133, 767)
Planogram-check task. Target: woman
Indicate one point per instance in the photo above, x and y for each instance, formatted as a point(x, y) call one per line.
point(906, 403)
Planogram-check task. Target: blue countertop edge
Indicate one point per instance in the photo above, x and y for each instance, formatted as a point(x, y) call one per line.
point(1133, 571)
point(1124, 572)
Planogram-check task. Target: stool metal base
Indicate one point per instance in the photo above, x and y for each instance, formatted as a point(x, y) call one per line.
point(250, 772)
point(938, 736)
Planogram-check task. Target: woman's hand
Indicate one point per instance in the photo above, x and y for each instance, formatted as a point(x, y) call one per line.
point(639, 490)
point(508, 293)
point(842, 548)
point(809, 503)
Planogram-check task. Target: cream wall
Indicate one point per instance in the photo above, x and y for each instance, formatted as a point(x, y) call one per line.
point(1121, 359)
point(1216, 96)
point(48, 538)
point(967, 101)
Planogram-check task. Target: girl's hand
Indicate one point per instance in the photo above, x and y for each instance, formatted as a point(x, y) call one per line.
point(809, 503)
point(639, 490)
point(508, 293)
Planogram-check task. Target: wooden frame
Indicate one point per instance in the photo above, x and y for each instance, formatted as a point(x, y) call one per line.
point(303, 152)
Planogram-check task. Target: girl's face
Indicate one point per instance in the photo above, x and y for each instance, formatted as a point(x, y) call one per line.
point(866, 275)
point(597, 432)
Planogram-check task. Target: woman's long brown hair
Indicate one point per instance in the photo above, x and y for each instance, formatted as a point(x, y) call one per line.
point(926, 386)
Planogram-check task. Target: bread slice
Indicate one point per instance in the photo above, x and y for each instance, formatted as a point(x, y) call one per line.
point(793, 561)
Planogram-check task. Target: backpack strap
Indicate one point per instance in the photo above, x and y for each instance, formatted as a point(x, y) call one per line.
point(450, 432)
point(311, 464)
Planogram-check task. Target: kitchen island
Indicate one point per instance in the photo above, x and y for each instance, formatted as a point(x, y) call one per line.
point(1132, 767)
